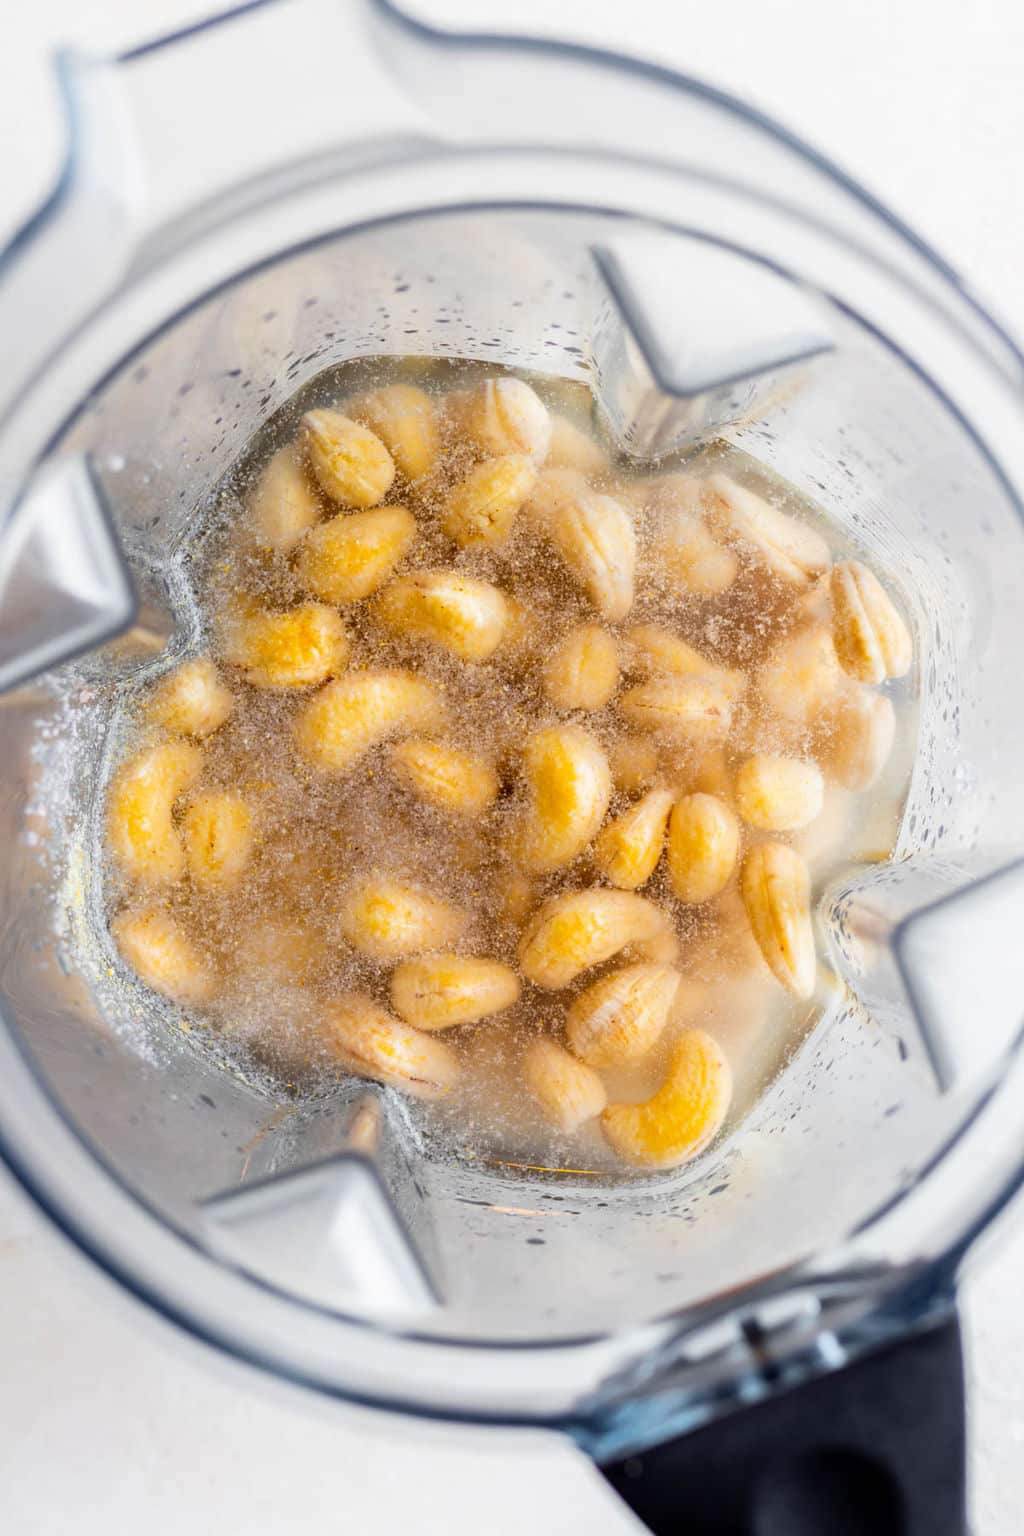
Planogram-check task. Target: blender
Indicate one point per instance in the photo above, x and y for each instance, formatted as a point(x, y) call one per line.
point(766, 1340)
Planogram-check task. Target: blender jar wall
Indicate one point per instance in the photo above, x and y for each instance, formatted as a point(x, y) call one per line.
point(856, 1112)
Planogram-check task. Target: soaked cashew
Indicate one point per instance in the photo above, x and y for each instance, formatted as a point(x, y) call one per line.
point(657, 652)
point(295, 649)
point(628, 849)
point(801, 675)
point(440, 991)
point(855, 733)
point(593, 534)
point(404, 419)
point(685, 708)
point(163, 956)
point(368, 1041)
point(219, 836)
point(140, 831)
point(634, 763)
point(350, 463)
point(567, 787)
point(703, 843)
point(779, 794)
point(284, 503)
point(506, 416)
point(353, 554)
point(620, 1018)
point(580, 929)
point(462, 615)
point(445, 777)
point(481, 509)
point(570, 448)
point(685, 550)
point(191, 700)
point(684, 1115)
point(871, 639)
point(568, 1092)
point(790, 549)
point(775, 884)
point(350, 716)
point(388, 919)
point(582, 671)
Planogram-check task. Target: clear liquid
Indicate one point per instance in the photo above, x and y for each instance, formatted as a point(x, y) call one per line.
point(317, 832)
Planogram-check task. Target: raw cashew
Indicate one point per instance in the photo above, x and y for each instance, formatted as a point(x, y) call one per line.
point(461, 614)
point(353, 554)
point(191, 700)
point(567, 788)
point(163, 956)
point(776, 884)
point(368, 1041)
point(404, 419)
point(628, 849)
point(388, 919)
point(439, 991)
point(351, 464)
point(683, 1116)
point(140, 832)
point(580, 929)
point(344, 720)
point(620, 1017)
point(568, 1092)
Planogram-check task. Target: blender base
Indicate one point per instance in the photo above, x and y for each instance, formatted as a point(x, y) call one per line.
point(876, 1449)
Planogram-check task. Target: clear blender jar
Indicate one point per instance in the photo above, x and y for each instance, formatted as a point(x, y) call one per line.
point(606, 222)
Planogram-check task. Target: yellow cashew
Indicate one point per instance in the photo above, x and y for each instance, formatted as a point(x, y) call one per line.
point(582, 671)
point(388, 919)
point(140, 832)
point(790, 549)
point(219, 836)
point(594, 535)
point(628, 849)
point(284, 503)
point(580, 929)
point(703, 842)
point(481, 509)
point(567, 788)
point(461, 614)
point(440, 991)
point(163, 956)
point(775, 884)
point(191, 700)
point(368, 1041)
point(404, 419)
point(568, 1092)
point(779, 794)
point(342, 722)
point(351, 464)
point(871, 639)
point(506, 416)
point(295, 649)
point(353, 554)
point(620, 1018)
point(684, 1115)
point(445, 777)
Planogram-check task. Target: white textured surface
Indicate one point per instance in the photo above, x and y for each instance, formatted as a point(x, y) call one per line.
point(109, 1422)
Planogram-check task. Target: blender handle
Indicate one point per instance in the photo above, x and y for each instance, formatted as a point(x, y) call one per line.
point(875, 1449)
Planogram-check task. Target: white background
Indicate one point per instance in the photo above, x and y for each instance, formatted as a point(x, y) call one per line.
point(109, 1421)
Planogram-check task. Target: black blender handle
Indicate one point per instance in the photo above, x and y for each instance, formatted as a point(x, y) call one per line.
point(874, 1449)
